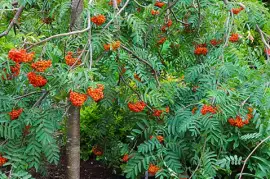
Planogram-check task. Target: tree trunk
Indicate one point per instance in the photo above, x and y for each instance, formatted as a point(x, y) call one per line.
point(76, 10)
point(73, 143)
point(73, 123)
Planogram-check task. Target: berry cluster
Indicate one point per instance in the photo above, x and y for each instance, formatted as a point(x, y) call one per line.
point(96, 93)
point(77, 99)
point(159, 138)
point(15, 113)
point(201, 49)
point(15, 71)
point(234, 37)
point(70, 61)
point(154, 12)
point(125, 158)
point(159, 112)
point(115, 45)
point(239, 122)
point(99, 19)
point(136, 76)
point(137, 107)
point(159, 4)
point(161, 40)
point(20, 56)
point(118, 2)
point(215, 42)
point(97, 151)
point(36, 80)
point(167, 25)
point(208, 109)
point(153, 169)
point(237, 10)
point(3, 160)
point(41, 65)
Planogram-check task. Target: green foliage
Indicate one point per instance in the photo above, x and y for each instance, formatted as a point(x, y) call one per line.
point(231, 77)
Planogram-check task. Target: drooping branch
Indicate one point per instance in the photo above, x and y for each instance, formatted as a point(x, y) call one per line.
point(77, 31)
point(267, 46)
point(13, 22)
point(144, 61)
point(245, 161)
point(26, 95)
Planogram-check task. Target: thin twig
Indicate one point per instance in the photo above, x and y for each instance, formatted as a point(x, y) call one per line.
point(90, 38)
point(29, 94)
point(13, 22)
point(199, 163)
point(43, 96)
point(267, 46)
point(109, 23)
point(245, 161)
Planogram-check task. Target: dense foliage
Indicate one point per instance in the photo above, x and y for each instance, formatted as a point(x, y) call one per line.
point(176, 88)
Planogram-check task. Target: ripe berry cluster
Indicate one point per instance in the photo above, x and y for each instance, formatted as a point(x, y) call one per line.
point(96, 93)
point(15, 71)
point(208, 109)
point(215, 42)
point(42, 65)
point(97, 151)
point(118, 2)
point(153, 169)
point(125, 158)
point(3, 160)
point(239, 122)
point(36, 80)
point(159, 112)
point(166, 25)
point(234, 38)
point(194, 110)
point(114, 46)
point(99, 19)
point(161, 40)
point(159, 138)
point(237, 10)
point(70, 61)
point(77, 99)
point(20, 56)
point(154, 12)
point(15, 113)
point(159, 4)
point(136, 107)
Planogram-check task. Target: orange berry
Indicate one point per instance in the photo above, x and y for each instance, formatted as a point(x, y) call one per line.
point(136, 107)
point(70, 60)
point(41, 65)
point(77, 99)
point(116, 45)
point(15, 114)
point(234, 38)
point(153, 169)
point(99, 19)
point(125, 158)
point(159, 4)
point(36, 80)
point(96, 93)
point(154, 12)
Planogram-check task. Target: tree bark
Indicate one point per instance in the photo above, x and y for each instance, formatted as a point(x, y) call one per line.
point(76, 10)
point(73, 123)
point(73, 143)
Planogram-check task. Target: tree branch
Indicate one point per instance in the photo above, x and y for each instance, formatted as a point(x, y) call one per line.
point(267, 46)
point(144, 61)
point(245, 161)
point(13, 22)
